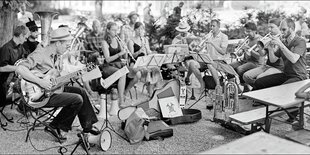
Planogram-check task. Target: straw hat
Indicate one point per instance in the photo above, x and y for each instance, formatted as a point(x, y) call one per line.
point(132, 13)
point(183, 27)
point(61, 34)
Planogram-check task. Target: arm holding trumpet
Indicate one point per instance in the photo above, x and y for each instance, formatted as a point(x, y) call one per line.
point(290, 55)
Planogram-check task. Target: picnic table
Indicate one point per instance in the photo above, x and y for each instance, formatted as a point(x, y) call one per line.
point(260, 143)
point(282, 97)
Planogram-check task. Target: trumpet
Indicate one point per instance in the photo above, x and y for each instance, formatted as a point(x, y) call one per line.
point(208, 36)
point(238, 52)
point(125, 47)
point(265, 41)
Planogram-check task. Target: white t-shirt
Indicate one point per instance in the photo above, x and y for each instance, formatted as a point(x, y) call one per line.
point(25, 18)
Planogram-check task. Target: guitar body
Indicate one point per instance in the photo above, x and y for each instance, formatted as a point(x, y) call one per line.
point(33, 94)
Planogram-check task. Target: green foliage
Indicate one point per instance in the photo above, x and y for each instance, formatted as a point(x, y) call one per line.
point(12, 4)
point(264, 16)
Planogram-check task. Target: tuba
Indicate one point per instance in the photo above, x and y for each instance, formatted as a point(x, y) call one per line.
point(77, 34)
point(46, 18)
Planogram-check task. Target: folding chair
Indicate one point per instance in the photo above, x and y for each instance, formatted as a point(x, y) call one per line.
point(41, 116)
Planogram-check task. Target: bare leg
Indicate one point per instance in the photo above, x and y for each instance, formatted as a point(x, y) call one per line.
point(214, 74)
point(133, 82)
point(194, 68)
point(121, 88)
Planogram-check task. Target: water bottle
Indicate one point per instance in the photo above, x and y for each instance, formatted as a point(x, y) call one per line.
point(102, 111)
point(114, 102)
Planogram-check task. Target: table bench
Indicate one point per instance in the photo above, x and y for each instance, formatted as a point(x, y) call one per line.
point(260, 143)
point(283, 97)
point(257, 116)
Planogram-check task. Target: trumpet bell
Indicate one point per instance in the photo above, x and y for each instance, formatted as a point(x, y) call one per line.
point(264, 42)
point(103, 140)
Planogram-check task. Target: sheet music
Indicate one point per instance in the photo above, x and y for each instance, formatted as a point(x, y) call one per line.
point(202, 57)
point(150, 60)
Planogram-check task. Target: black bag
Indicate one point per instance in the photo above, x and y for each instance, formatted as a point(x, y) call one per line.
point(210, 83)
point(158, 130)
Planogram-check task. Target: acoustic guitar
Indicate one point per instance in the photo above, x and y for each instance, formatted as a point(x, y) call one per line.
point(37, 97)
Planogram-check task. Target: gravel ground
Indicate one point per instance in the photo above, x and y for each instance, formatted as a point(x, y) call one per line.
point(187, 139)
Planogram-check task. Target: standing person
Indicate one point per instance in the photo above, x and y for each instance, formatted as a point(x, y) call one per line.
point(252, 59)
point(94, 41)
point(31, 44)
point(292, 49)
point(113, 53)
point(270, 67)
point(24, 15)
point(9, 54)
point(74, 101)
point(301, 27)
point(178, 10)
point(127, 30)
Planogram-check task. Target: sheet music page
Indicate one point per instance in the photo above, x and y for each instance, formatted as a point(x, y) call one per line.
point(157, 60)
point(142, 61)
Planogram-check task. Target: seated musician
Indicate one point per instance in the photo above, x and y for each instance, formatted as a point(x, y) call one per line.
point(94, 41)
point(216, 44)
point(269, 68)
point(251, 59)
point(292, 49)
point(10, 52)
point(113, 52)
point(139, 46)
point(31, 44)
point(74, 101)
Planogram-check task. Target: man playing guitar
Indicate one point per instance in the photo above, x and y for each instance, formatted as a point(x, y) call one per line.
point(73, 100)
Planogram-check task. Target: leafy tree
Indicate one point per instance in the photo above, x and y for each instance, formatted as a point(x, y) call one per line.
point(8, 18)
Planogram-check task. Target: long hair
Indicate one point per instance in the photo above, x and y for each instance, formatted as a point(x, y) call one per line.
point(107, 36)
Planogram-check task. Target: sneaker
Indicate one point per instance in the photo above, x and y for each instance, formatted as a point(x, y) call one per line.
point(94, 131)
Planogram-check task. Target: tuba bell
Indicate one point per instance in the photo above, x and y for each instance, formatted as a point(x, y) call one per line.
point(77, 34)
point(46, 18)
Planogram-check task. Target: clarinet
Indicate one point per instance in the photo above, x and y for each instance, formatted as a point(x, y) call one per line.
point(125, 47)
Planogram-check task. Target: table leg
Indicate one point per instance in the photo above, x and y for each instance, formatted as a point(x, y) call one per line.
point(301, 115)
point(267, 121)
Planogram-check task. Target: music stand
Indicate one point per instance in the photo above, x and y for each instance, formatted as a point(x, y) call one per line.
point(152, 60)
point(175, 53)
point(106, 83)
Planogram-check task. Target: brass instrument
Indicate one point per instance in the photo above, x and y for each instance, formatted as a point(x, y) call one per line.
point(76, 36)
point(46, 18)
point(264, 42)
point(125, 47)
point(208, 36)
point(238, 52)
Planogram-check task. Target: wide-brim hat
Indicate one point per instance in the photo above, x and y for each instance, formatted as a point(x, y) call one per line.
point(183, 27)
point(61, 34)
point(32, 26)
point(132, 13)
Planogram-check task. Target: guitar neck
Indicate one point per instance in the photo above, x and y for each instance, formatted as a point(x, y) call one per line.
point(66, 78)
